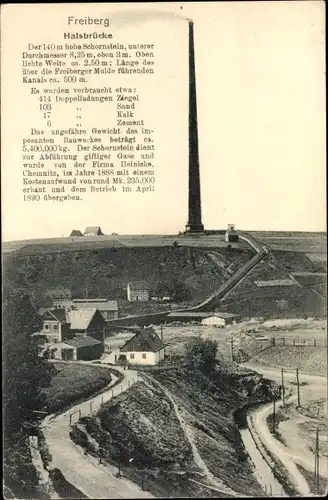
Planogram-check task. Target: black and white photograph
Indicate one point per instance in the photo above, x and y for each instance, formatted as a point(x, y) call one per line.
point(164, 250)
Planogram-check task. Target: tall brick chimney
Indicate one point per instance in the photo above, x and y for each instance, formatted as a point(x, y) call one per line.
point(194, 224)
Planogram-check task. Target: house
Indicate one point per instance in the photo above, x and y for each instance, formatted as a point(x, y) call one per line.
point(93, 231)
point(55, 326)
point(107, 308)
point(58, 325)
point(137, 290)
point(144, 348)
point(76, 232)
point(219, 319)
point(84, 348)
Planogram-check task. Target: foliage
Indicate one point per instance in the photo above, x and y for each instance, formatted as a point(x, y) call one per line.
point(25, 374)
point(202, 354)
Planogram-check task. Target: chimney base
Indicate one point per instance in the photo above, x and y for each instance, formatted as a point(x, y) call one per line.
point(194, 228)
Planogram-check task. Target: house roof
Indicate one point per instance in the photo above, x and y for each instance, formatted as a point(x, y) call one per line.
point(80, 319)
point(101, 304)
point(57, 314)
point(93, 230)
point(83, 342)
point(146, 340)
point(76, 232)
point(59, 293)
point(138, 285)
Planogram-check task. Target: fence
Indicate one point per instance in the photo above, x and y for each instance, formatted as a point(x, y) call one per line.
point(297, 342)
point(92, 406)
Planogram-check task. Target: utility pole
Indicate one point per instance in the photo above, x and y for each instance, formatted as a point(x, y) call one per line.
point(298, 389)
point(283, 386)
point(274, 417)
point(316, 464)
point(231, 344)
point(162, 332)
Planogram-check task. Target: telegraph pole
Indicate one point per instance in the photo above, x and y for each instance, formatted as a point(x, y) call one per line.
point(283, 386)
point(316, 463)
point(231, 344)
point(298, 389)
point(274, 417)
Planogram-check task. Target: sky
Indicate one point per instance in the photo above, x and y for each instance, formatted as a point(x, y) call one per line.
point(260, 74)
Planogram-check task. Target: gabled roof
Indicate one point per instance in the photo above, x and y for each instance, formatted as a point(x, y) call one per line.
point(55, 314)
point(76, 232)
point(83, 342)
point(146, 340)
point(93, 230)
point(80, 319)
point(101, 304)
point(138, 285)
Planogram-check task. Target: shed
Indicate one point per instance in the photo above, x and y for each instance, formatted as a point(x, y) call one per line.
point(76, 232)
point(93, 231)
point(85, 348)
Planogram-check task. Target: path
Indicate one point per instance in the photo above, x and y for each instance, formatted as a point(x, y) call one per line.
point(189, 435)
point(83, 471)
point(289, 455)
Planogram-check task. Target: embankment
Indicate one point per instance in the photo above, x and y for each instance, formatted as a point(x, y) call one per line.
point(141, 424)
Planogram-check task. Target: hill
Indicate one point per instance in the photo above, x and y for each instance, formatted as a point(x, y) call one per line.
point(105, 272)
point(177, 453)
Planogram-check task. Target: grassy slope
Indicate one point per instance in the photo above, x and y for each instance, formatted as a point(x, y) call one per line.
point(311, 360)
point(142, 420)
point(71, 382)
point(106, 272)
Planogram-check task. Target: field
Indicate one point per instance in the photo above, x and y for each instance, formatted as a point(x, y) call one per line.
point(310, 360)
point(73, 382)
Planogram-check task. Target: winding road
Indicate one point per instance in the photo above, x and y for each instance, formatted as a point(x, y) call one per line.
point(285, 454)
point(83, 471)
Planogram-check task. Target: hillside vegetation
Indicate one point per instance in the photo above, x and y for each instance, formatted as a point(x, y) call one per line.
point(106, 272)
point(142, 424)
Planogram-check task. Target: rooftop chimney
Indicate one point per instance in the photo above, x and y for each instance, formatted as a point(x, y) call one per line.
point(194, 224)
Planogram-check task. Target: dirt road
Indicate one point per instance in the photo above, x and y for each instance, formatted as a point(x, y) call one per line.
point(295, 451)
point(83, 471)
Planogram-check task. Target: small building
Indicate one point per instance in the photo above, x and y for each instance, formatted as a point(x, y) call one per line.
point(144, 348)
point(231, 234)
point(85, 348)
point(107, 308)
point(219, 319)
point(76, 232)
point(200, 317)
point(93, 231)
point(137, 290)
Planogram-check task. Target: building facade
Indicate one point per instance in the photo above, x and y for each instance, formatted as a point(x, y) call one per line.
point(137, 290)
point(144, 348)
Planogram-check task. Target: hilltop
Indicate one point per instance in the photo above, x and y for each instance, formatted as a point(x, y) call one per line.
point(105, 272)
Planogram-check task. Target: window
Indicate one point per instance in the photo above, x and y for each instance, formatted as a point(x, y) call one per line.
point(46, 326)
point(144, 356)
point(131, 356)
point(55, 327)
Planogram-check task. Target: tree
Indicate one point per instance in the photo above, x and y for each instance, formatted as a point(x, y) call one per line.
point(179, 292)
point(202, 354)
point(25, 373)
